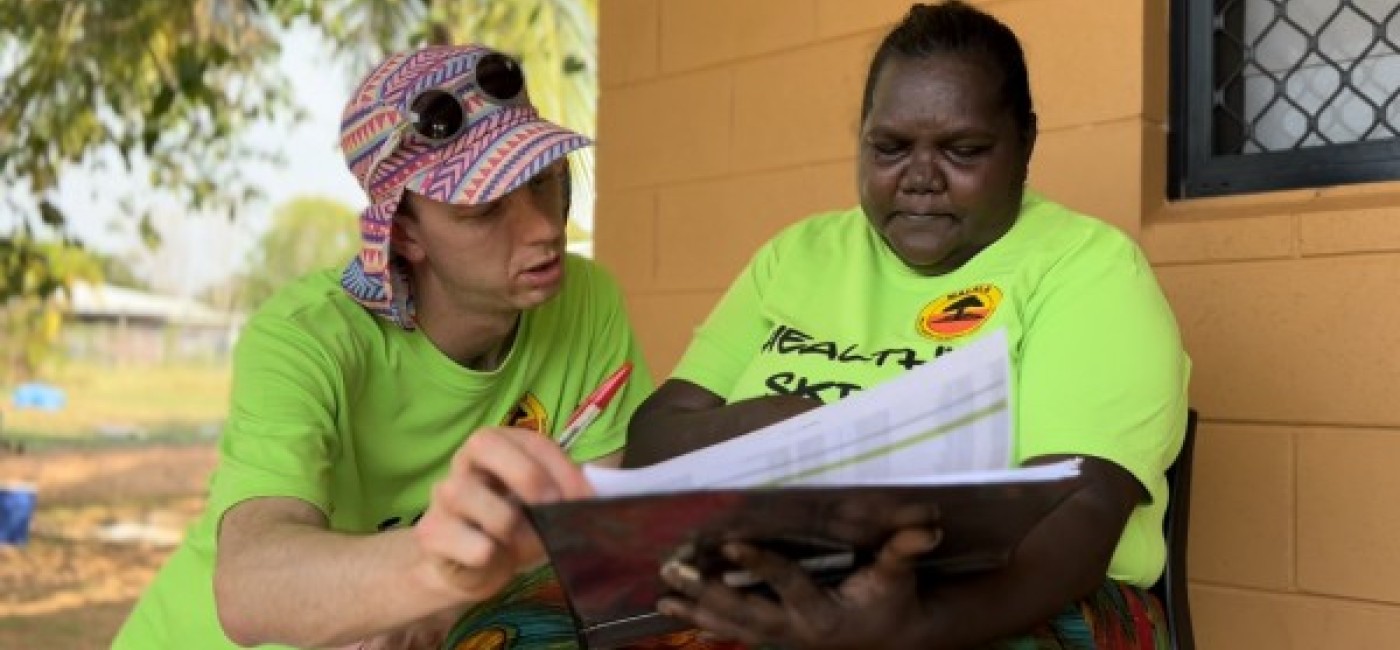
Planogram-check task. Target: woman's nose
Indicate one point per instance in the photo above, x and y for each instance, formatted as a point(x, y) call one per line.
point(922, 175)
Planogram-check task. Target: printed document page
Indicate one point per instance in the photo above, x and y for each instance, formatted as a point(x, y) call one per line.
point(948, 416)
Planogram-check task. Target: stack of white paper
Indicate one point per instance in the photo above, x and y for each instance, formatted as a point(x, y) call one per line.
point(945, 422)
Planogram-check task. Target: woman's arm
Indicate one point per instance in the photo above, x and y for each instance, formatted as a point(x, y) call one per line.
point(1062, 560)
point(681, 417)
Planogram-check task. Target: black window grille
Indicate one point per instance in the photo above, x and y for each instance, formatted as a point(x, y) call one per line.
point(1280, 94)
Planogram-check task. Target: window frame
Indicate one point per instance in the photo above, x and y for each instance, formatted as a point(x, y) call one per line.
point(1196, 171)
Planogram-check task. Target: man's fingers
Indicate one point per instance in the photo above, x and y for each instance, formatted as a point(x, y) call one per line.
point(565, 473)
point(452, 538)
point(470, 501)
point(475, 522)
point(474, 530)
point(503, 455)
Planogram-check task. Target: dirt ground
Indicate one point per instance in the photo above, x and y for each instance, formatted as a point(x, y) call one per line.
point(107, 518)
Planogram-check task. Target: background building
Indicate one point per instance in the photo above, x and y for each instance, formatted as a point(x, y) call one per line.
point(721, 121)
point(114, 325)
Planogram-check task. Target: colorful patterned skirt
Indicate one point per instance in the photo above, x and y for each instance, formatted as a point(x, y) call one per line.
point(531, 614)
point(1116, 617)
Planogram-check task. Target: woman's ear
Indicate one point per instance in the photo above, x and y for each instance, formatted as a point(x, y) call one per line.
point(1028, 137)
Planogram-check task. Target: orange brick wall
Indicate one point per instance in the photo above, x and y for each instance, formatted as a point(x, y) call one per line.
point(721, 121)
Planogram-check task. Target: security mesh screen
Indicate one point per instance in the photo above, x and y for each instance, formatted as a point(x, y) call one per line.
point(1300, 74)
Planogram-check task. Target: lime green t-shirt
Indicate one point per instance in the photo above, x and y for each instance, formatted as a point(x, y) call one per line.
point(358, 417)
point(826, 308)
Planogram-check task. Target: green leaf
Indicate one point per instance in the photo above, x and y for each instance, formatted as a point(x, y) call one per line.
point(150, 236)
point(50, 215)
point(161, 105)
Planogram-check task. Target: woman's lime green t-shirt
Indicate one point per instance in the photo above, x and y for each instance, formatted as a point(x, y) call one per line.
point(825, 309)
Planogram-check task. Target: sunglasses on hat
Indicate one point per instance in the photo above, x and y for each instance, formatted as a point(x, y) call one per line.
point(437, 116)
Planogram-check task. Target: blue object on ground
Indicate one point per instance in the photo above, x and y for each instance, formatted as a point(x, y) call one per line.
point(36, 395)
point(17, 503)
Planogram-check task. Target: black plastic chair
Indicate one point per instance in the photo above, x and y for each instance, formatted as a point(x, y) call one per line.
point(1172, 588)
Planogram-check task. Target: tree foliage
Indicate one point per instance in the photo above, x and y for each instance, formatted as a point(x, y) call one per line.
point(307, 234)
point(166, 86)
point(160, 87)
point(165, 89)
point(30, 317)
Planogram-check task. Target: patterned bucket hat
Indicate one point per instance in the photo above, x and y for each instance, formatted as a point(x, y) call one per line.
point(451, 123)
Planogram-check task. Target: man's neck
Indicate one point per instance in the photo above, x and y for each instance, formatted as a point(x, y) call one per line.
point(477, 341)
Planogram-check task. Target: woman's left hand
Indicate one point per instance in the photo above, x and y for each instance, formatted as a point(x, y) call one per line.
point(870, 606)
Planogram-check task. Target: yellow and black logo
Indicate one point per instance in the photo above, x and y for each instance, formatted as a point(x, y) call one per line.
point(529, 413)
point(959, 313)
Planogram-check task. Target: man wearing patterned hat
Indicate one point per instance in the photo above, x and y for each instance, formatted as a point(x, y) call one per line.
point(387, 420)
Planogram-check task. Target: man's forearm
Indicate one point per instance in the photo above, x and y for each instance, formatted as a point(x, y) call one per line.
point(312, 588)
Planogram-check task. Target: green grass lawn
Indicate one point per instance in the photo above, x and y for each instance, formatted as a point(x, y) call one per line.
point(132, 402)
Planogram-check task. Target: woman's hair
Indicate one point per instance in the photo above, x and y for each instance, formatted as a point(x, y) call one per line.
point(954, 28)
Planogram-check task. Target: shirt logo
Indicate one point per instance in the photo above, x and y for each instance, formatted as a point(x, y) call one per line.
point(528, 413)
point(959, 313)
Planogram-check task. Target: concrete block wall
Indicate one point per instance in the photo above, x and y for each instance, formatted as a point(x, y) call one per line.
point(1286, 305)
point(721, 121)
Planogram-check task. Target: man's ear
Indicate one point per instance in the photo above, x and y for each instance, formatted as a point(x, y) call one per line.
point(568, 187)
point(405, 237)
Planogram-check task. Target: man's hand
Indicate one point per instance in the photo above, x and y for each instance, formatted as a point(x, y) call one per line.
point(474, 535)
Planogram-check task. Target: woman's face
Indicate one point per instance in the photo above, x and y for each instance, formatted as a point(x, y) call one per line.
point(942, 160)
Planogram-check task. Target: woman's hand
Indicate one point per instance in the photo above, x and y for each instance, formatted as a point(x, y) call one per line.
point(474, 535)
point(870, 606)
point(1064, 558)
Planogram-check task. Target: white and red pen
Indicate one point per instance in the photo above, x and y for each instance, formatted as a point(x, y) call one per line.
point(593, 405)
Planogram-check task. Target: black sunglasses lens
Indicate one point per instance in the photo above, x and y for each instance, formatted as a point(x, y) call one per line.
point(439, 115)
point(499, 77)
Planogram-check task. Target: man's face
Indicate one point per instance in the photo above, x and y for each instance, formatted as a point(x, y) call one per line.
point(497, 257)
point(941, 162)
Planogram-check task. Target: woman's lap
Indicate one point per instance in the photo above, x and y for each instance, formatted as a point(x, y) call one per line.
point(1116, 617)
